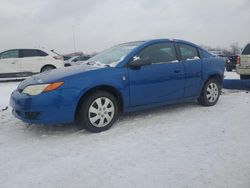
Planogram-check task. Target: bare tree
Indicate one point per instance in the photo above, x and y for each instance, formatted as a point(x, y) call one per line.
point(234, 48)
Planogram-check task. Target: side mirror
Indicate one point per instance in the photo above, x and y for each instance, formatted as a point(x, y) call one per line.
point(138, 63)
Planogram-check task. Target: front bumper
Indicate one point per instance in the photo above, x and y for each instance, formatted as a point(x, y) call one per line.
point(47, 108)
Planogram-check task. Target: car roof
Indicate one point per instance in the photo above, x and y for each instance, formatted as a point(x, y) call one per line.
point(145, 43)
point(26, 49)
point(161, 40)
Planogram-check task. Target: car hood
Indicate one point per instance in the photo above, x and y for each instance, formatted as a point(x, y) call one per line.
point(56, 75)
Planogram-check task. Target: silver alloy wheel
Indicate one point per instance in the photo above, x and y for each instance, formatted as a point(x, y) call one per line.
point(212, 92)
point(101, 112)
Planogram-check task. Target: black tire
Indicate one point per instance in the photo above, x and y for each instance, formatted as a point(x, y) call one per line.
point(47, 68)
point(204, 98)
point(244, 77)
point(84, 113)
point(229, 69)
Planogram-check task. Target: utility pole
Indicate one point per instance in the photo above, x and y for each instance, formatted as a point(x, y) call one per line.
point(74, 38)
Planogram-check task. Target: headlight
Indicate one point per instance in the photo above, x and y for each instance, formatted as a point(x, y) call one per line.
point(37, 89)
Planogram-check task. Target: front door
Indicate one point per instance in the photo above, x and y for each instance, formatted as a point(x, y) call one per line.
point(161, 81)
point(9, 63)
point(32, 60)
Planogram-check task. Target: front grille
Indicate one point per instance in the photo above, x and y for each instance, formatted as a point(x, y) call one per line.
point(32, 115)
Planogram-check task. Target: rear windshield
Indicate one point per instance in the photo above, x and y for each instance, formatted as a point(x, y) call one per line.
point(246, 50)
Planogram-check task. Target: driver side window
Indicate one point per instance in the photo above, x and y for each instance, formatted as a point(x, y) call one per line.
point(158, 53)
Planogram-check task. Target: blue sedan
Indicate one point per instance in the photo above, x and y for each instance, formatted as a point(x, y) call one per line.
point(124, 78)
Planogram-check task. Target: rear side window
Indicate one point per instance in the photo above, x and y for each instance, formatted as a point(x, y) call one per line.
point(205, 54)
point(158, 53)
point(188, 52)
point(33, 53)
point(9, 54)
point(76, 59)
point(42, 53)
point(246, 50)
point(81, 58)
point(84, 58)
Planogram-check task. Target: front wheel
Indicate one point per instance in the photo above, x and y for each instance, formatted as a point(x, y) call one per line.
point(210, 93)
point(98, 112)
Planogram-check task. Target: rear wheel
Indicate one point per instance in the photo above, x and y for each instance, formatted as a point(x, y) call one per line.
point(47, 68)
point(98, 112)
point(210, 93)
point(228, 69)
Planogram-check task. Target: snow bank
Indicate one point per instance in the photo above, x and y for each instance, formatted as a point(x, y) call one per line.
point(183, 145)
point(5, 91)
point(236, 84)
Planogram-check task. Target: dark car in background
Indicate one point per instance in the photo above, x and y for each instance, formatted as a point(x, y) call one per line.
point(231, 62)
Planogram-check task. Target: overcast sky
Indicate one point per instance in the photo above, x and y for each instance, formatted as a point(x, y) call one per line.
point(99, 24)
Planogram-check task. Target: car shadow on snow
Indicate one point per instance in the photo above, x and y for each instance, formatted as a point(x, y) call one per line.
point(123, 120)
point(157, 113)
point(53, 129)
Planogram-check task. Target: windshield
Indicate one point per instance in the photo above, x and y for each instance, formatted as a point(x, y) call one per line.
point(114, 55)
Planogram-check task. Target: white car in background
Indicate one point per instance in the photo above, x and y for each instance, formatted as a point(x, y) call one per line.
point(243, 63)
point(77, 60)
point(26, 62)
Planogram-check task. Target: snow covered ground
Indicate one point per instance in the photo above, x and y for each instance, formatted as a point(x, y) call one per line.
point(231, 75)
point(183, 145)
point(5, 91)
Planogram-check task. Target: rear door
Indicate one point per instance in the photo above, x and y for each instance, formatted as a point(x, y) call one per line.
point(9, 62)
point(161, 81)
point(32, 60)
point(192, 62)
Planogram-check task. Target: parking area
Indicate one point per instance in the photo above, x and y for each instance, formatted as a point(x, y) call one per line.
point(183, 145)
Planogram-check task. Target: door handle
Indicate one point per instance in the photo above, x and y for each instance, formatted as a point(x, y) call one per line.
point(177, 70)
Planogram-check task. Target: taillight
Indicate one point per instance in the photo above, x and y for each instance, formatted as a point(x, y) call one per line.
point(238, 60)
point(58, 57)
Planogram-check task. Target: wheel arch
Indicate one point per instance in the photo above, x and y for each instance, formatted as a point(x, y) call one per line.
point(217, 76)
point(47, 65)
point(110, 89)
